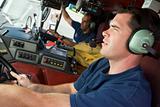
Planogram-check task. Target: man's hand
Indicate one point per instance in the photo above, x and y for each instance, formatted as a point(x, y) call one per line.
point(22, 79)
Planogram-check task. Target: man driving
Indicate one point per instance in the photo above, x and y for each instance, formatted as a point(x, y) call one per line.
point(113, 81)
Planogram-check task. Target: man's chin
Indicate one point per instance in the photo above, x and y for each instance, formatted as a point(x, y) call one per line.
point(102, 52)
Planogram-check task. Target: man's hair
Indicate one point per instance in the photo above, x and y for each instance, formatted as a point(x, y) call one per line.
point(89, 15)
point(91, 23)
point(143, 18)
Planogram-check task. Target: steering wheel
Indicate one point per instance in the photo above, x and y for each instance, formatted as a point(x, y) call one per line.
point(5, 74)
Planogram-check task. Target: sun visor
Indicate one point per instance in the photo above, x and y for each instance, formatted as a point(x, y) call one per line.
point(56, 4)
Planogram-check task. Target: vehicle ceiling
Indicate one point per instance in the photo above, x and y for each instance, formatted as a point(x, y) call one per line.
point(106, 4)
point(109, 4)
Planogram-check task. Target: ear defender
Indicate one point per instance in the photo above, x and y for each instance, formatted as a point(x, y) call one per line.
point(92, 25)
point(140, 41)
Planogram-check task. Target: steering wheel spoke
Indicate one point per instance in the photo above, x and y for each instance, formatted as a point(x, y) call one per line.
point(6, 68)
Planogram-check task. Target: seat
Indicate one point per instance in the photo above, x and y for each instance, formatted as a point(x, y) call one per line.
point(101, 28)
point(151, 67)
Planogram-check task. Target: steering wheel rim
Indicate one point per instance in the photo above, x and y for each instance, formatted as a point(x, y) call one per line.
point(9, 67)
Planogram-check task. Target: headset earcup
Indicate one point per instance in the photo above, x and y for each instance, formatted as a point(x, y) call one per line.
point(138, 39)
point(92, 25)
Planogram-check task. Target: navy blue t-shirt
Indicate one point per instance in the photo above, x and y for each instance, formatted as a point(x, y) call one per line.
point(97, 89)
point(79, 36)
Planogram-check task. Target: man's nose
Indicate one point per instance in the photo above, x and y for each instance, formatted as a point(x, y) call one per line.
point(105, 33)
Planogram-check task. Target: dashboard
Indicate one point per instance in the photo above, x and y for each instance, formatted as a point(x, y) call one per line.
point(22, 47)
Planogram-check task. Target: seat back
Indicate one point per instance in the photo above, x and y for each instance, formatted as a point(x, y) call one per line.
point(101, 28)
point(151, 67)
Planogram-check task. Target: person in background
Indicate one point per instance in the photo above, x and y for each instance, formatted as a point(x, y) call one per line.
point(84, 31)
point(113, 81)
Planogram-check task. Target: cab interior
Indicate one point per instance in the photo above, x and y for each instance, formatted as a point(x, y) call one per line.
point(41, 59)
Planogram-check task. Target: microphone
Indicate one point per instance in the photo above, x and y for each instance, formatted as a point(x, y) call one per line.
point(93, 43)
point(35, 19)
point(151, 50)
point(35, 30)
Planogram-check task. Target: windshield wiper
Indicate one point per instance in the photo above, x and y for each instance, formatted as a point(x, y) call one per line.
point(2, 4)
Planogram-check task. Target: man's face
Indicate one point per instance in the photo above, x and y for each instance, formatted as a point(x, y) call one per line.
point(85, 23)
point(115, 40)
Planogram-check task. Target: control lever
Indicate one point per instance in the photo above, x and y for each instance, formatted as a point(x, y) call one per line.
point(4, 32)
point(9, 68)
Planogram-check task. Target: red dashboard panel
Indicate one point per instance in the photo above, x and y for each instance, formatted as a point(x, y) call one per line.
point(44, 75)
point(53, 77)
point(30, 69)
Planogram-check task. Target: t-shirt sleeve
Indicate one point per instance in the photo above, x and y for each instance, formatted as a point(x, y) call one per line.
point(103, 98)
point(81, 80)
point(87, 74)
point(75, 25)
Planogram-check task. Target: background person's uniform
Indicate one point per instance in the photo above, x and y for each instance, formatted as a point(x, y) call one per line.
point(97, 89)
point(79, 36)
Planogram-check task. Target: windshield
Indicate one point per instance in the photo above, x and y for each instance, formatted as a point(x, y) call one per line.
point(20, 12)
point(1, 1)
point(76, 16)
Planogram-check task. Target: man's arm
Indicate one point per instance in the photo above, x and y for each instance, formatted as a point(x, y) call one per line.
point(23, 97)
point(67, 88)
point(69, 42)
point(23, 80)
point(66, 16)
point(66, 41)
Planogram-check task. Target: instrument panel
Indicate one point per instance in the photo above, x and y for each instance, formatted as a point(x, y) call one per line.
point(53, 62)
point(26, 56)
point(27, 51)
point(21, 44)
